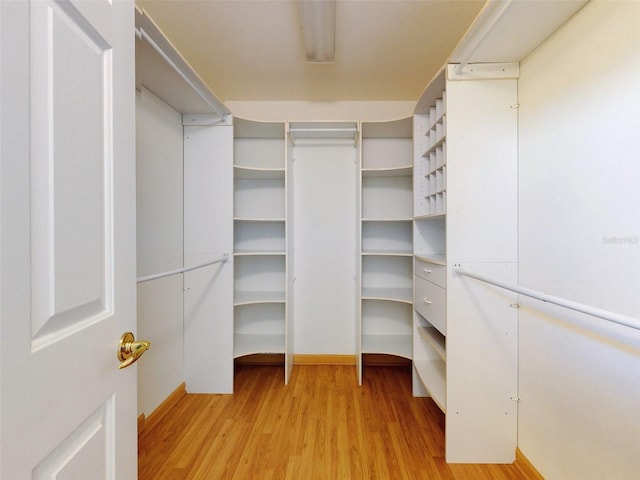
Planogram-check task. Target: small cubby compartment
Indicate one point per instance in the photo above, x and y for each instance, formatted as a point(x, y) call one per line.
point(386, 327)
point(252, 236)
point(387, 277)
point(392, 237)
point(259, 328)
point(429, 238)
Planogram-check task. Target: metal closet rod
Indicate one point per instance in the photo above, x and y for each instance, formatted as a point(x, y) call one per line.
point(578, 307)
point(155, 276)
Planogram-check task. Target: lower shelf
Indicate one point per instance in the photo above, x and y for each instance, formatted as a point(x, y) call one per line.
point(432, 374)
point(399, 345)
point(249, 344)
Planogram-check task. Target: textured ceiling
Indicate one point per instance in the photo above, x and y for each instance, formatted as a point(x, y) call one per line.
point(252, 49)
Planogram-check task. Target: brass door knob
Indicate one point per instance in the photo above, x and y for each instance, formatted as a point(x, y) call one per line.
point(129, 351)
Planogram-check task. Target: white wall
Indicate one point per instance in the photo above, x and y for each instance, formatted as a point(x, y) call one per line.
point(579, 238)
point(208, 235)
point(159, 246)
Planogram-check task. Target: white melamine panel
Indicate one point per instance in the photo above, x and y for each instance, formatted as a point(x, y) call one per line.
point(482, 170)
point(159, 184)
point(259, 198)
point(387, 197)
point(325, 255)
point(159, 224)
point(482, 342)
point(208, 327)
point(208, 192)
point(160, 314)
point(579, 230)
point(208, 234)
point(290, 248)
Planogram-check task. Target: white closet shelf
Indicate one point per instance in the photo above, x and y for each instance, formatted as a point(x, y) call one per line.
point(403, 171)
point(388, 253)
point(404, 295)
point(259, 219)
point(399, 345)
point(244, 253)
point(435, 258)
point(430, 215)
point(432, 374)
point(254, 297)
point(255, 173)
point(434, 338)
point(387, 219)
point(435, 145)
point(249, 344)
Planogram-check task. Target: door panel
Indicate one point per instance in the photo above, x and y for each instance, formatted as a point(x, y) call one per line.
point(67, 239)
point(71, 161)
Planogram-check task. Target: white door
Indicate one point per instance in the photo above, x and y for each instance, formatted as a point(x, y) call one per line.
point(67, 239)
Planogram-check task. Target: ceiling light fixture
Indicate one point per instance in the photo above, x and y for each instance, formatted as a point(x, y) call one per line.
point(318, 20)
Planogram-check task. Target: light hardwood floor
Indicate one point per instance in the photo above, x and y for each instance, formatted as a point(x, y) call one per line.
point(321, 426)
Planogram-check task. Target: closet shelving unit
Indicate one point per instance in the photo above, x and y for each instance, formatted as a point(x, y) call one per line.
point(430, 137)
point(386, 238)
point(260, 238)
point(465, 156)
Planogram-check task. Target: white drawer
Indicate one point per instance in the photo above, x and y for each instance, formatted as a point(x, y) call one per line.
point(432, 272)
point(430, 301)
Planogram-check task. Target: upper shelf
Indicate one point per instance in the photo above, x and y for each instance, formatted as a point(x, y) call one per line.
point(504, 32)
point(161, 69)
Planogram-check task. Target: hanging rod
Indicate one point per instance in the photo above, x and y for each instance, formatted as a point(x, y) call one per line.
point(155, 276)
point(578, 307)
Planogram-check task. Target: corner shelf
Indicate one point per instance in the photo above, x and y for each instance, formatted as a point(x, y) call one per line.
point(260, 238)
point(386, 240)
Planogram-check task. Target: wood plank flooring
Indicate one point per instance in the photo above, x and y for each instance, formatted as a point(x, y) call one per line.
point(321, 426)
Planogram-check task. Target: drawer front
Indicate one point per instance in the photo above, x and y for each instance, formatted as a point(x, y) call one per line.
point(430, 301)
point(432, 272)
